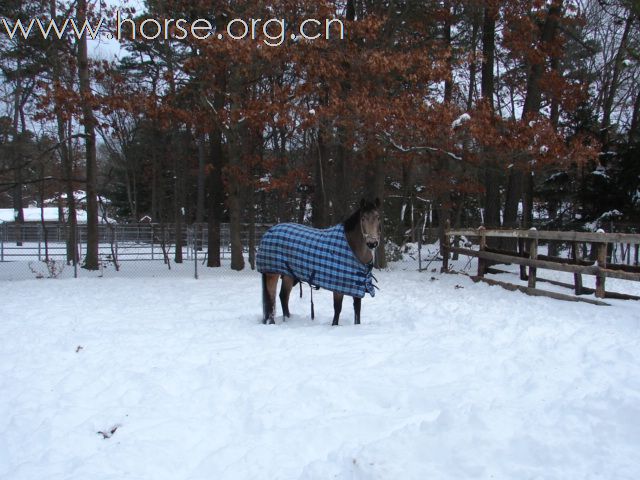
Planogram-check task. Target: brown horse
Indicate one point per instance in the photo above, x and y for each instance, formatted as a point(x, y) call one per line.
point(362, 233)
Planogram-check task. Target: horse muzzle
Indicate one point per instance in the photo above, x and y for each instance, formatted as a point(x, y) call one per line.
point(372, 244)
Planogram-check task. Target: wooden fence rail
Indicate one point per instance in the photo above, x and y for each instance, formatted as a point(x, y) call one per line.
point(528, 257)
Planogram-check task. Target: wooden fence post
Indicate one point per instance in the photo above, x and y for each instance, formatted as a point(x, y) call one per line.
point(482, 268)
point(444, 248)
point(577, 278)
point(521, 251)
point(602, 263)
point(533, 255)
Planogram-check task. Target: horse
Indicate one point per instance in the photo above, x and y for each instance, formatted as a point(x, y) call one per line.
point(338, 258)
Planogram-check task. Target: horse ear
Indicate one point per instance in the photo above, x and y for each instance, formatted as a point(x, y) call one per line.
point(377, 202)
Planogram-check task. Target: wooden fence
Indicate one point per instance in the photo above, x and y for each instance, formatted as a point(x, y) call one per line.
point(598, 263)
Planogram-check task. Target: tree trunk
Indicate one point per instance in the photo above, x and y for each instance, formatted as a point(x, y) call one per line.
point(374, 188)
point(16, 153)
point(178, 207)
point(235, 225)
point(201, 178)
point(215, 191)
point(488, 53)
point(320, 219)
point(64, 147)
point(154, 182)
point(634, 129)
point(71, 219)
point(343, 140)
point(234, 200)
point(252, 228)
point(340, 201)
point(18, 203)
point(238, 138)
point(406, 220)
point(215, 198)
point(448, 83)
point(91, 259)
point(474, 58)
point(491, 177)
point(55, 59)
point(613, 86)
point(520, 183)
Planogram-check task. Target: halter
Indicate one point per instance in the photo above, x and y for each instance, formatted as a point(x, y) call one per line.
point(362, 232)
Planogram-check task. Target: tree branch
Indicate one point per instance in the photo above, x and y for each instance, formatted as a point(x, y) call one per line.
point(387, 137)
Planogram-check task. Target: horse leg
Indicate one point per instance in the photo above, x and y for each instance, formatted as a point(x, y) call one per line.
point(269, 287)
point(337, 307)
point(357, 303)
point(285, 291)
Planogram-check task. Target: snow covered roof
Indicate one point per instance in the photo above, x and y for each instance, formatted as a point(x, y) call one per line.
point(30, 214)
point(33, 214)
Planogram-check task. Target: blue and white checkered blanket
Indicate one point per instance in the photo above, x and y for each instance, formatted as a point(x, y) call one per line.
point(321, 258)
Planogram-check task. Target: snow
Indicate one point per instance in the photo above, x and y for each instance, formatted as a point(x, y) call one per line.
point(615, 213)
point(606, 216)
point(80, 197)
point(465, 117)
point(601, 172)
point(444, 379)
point(556, 176)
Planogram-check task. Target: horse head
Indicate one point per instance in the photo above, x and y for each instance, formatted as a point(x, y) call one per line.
point(370, 222)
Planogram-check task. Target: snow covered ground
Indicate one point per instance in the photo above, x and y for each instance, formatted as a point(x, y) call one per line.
point(445, 379)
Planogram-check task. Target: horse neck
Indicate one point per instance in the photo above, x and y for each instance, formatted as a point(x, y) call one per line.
point(357, 243)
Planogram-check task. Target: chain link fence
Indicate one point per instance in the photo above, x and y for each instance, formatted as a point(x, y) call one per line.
point(40, 251)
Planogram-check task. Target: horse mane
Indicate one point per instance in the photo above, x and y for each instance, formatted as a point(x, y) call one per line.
point(352, 222)
point(354, 219)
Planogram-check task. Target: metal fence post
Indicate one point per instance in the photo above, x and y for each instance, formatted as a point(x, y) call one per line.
point(115, 240)
point(189, 241)
point(195, 251)
point(39, 243)
point(152, 256)
point(76, 253)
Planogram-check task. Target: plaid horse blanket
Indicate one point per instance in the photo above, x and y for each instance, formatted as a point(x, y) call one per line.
point(320, 257)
